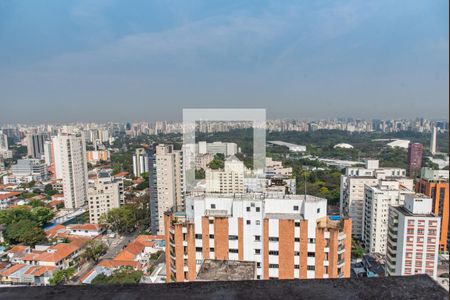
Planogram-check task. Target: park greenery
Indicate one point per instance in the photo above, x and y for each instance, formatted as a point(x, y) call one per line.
point(24, 224)
point(124, 275)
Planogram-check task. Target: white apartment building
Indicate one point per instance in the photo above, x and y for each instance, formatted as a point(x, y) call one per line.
point(352, 192)
point(71, 167)
point(104, 193)
point(226, 149)
point(167, 179)
point(140, 162)
point(288, 236)
point(48, 152)
point(30, 168)
point(378, 199)
point(230, 180)
point(413, 238)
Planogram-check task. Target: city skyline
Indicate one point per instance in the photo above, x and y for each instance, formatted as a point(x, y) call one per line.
point(113, 61)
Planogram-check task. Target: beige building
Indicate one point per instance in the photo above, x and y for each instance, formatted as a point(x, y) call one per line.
point(104, 193)
point(71, 167)
point(167, 180)
point(96, 156)
point(230, 180)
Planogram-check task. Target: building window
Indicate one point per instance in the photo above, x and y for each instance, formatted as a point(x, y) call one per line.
point(272, 252)
point(258, 222)
point(311, 241)
point(252, 204)
point(248, 208)
point(258, 209)
point(257, 238)
point(248, 222)
point(233, 237)
point(198, 249)
point(297, 224)
point(273, 266)
point(311, 254)
point(296, 267)
point(273, 239)
point(198, 236)
point(213, 206)
point(295, 207)
point(318, 210)
point(296, 239)
point(311, 268)
point(296, 253)
point(257, 251)
point(211, 221)
point(211, 236)
point(234, 251)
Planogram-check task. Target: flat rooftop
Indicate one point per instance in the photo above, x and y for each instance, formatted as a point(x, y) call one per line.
point(226, 270)
point(407, 287)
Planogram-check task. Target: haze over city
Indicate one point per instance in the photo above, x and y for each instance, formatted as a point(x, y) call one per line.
point(63, 61)
point(199, 149)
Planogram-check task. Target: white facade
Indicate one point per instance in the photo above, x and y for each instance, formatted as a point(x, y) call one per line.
point(253, 209)
point(104, 194)
point(71, 166)
point(413, 238)
point(433, 140)
point(140, 162)
point(378, 199)
point(352, 191)
point(169, 181)
point(48, 152)
point(228, 181)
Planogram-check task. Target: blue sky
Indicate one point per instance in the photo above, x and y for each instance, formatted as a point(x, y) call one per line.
point(147, 60)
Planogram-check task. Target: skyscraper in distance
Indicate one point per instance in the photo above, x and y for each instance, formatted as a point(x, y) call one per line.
point(433, 140)
point(415, 151)
point(35, 145)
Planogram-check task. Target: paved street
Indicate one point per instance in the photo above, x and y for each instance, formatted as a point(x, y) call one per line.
point(116, 247)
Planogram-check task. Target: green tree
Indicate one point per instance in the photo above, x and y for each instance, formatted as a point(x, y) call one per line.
point(36, 203)
point(94, 250)
point(200, 174)
point(25, 231)
point(61, 276)
point(124, 275)
point(217, 162)
point(42, 215)
point(121, 219)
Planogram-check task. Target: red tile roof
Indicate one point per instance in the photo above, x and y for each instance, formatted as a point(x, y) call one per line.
point(11, 270)
point(89, 227)
point(9, 195)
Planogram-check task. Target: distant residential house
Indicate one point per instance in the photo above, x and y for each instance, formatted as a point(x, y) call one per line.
point(17, 253)
point(87, 230)
point(60, 256)
point(26, 274)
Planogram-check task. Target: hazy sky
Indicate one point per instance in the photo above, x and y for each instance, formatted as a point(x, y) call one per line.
point(146, 60)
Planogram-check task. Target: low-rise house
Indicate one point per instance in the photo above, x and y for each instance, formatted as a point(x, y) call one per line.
point(17, 253)
point(60, 256)
point(13, 273)
point(26, 274)
point(87, 230)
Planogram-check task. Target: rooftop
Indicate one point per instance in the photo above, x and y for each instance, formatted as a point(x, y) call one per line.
point(408, 287)
point(225, 270)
